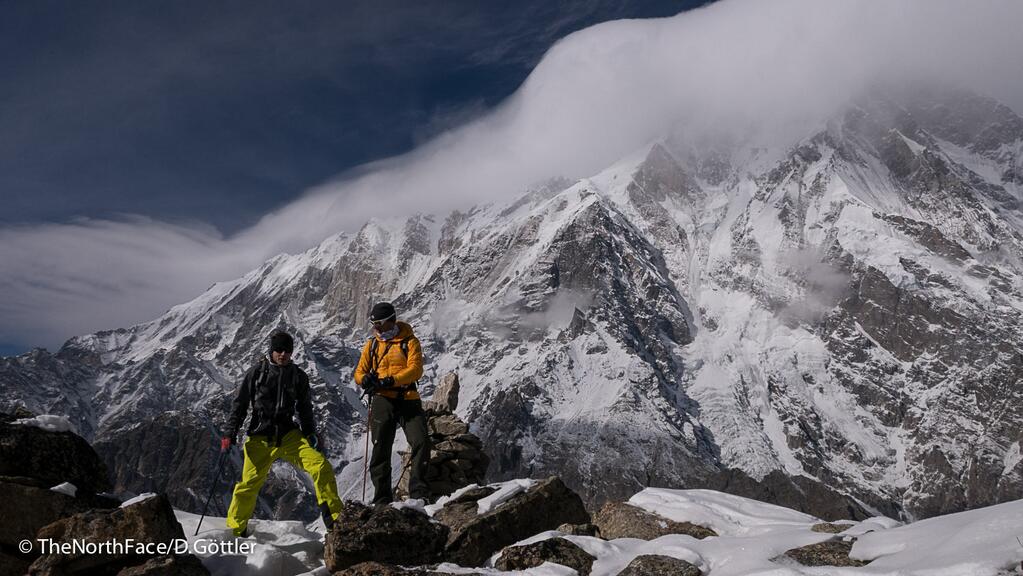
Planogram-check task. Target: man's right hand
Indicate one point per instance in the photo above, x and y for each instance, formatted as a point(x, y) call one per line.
point(225, 443)
point(370, 382)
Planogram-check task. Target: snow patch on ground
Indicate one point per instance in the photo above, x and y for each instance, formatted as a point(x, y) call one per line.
point(66, 488)
point(978, 542)
point(726, 514)
point(279, 548)
point(137, 499)
point(505, 491)
point(753, 539)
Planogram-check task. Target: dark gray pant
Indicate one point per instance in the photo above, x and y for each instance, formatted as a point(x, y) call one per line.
point(388, 414)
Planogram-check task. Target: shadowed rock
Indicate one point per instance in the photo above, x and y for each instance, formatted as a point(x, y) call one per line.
point(168, 566)
point(14, 564)
point(52, 457)
point(149, 521)
point(388, 535)
point(27, 508)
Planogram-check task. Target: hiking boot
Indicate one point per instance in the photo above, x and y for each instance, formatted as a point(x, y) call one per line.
point(246, 533)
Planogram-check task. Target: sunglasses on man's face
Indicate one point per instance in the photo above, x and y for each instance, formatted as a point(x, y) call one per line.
point(381, 322)
point(282, 351)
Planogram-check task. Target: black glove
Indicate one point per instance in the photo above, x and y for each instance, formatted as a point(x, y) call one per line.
point(387, 382)
point(370, 382)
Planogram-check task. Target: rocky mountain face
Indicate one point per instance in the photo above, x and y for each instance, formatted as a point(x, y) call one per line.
point(845, 311)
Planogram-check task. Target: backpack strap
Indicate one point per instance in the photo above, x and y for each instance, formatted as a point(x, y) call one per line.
point(375, 361)
point(262, 373)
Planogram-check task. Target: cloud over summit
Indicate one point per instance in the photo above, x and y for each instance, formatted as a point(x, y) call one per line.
point(597, 95)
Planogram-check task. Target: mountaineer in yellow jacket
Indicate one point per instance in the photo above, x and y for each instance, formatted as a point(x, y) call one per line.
point(390, 365)
point(276, 389)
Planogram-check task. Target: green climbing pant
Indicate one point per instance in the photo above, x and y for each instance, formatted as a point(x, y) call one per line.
point(260, 455)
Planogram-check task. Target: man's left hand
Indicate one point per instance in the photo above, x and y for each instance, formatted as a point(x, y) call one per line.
point(387, 382)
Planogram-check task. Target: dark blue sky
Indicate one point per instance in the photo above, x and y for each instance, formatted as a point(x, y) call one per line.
point(221, 111)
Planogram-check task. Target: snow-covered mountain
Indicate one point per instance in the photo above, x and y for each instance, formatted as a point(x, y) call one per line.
point(846, 307)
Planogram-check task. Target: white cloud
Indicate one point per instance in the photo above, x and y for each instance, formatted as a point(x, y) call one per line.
point(597, 95)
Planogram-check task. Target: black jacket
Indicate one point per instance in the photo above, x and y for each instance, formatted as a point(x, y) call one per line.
point(275, 393)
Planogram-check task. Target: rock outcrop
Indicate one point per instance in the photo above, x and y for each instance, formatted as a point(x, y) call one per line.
point(33, 461)
point(386, 534)
point(28, 505)
point(50, 498)
point(556, 550)
point(149, 521)
point(622, 520)
point(475, 537)
point(51, 457)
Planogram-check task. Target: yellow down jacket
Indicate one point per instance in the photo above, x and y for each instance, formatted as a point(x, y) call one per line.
point(390, 360)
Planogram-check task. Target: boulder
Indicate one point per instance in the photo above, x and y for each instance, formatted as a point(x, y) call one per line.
point(622, 520)
point(50, 457)
point(150, 520)
point(14, 563)
point(556, 550)
point(658, 565)
point(829, 553)
point(25, 508)
point(475, 537)
point(169, 565)
point(387, 535)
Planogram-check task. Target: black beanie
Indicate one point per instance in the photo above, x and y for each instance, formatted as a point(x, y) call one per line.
point(381, 311)
point(282, 341)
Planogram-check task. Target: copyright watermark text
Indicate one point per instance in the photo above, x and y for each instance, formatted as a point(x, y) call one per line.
point(201, 547)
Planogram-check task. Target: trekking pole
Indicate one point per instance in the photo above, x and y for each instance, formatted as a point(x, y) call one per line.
point(365, 459)
point(220, 465)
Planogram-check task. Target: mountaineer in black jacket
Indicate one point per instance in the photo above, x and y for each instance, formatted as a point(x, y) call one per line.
point(276, 389)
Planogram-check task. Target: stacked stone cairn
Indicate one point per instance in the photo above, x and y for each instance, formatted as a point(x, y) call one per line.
point(456, 456)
